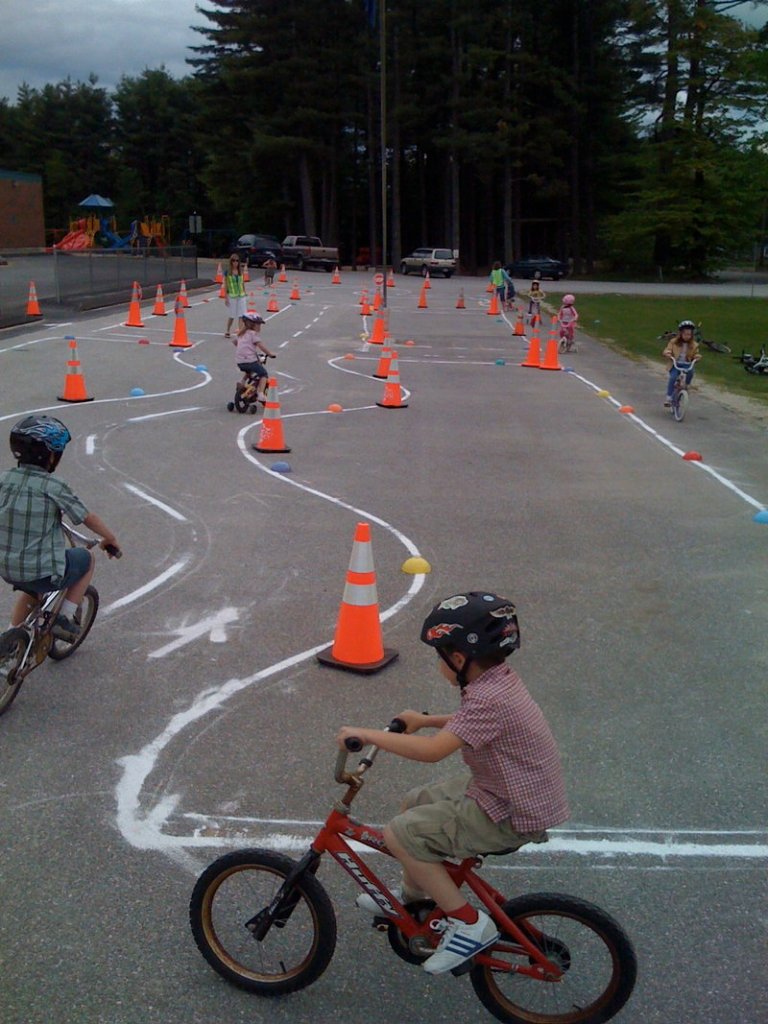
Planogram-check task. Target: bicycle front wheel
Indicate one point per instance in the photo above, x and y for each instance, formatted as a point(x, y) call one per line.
point(13, 644)
point(229, 900)
point(84, 617)
point(680, 405)
point(717, 346)
point(596, 957)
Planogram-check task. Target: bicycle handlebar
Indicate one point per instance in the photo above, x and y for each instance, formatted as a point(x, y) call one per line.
point(90, 542)
point(683, 367)
point(353, 745)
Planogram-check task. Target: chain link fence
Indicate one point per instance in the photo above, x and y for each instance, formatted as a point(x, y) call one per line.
point(87, 279)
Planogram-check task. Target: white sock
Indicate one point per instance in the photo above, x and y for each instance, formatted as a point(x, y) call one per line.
point(68, 608)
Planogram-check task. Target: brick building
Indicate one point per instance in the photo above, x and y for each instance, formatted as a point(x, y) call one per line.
point(22, 225)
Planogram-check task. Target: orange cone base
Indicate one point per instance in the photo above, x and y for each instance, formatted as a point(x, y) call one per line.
point(326, 658)
point(400, 405)
point(270, 450)
point(73, 400)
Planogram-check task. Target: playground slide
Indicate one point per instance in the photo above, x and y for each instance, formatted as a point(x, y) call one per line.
point(115, 241)
point(75, 240)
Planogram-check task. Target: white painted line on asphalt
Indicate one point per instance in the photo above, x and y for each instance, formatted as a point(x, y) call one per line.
point(168, 412)
point(90, 444)
point(156, 502)
point(672, 446)
point(147, 588)
point(214, 625)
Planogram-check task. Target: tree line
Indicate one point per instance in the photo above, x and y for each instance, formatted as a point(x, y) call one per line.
point(630, 132)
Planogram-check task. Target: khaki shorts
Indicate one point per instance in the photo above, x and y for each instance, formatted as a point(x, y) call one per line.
point(442, 821)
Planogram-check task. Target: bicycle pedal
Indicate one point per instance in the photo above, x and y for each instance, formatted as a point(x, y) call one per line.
point(380, 924)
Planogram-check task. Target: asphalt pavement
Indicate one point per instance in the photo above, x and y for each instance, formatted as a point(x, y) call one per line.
point(196, 718)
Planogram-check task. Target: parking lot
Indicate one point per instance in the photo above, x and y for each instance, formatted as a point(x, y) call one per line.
point(196, 718)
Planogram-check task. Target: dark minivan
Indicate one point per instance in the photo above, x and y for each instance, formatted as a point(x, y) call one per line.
point(255, 249)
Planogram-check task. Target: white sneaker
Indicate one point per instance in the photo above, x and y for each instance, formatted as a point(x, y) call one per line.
point(460, 942)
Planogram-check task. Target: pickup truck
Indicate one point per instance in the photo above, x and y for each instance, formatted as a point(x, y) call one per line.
point(305, 251)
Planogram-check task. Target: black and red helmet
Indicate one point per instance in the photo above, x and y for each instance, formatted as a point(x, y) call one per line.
point(476, 623)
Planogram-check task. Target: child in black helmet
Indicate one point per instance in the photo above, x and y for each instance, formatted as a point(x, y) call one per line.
point(513, 790)
point(33, 551)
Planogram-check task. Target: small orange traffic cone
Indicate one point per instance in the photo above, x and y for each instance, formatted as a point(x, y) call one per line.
point(382, 370)
point(489, 287)
point(377, 300)
point(393, 394)
point(427, 282)
point(519, 325)
point(222, 291)
point(272, 306)
point(358, 644)
point(246, 274)
point(219, 275)
point(493, 305)
point(74, 381)
point(365, 309)
point(422, 299)
point(533, 359)
point(159, 307)
point(134, 309)
point(282, 277)
point(179, 339)
point(295, 294)
point(271, 438)
point(33, 306)
point(391, 278)
point(460, 303)
point(183, 294)
point(336, 279)
point(377, 335)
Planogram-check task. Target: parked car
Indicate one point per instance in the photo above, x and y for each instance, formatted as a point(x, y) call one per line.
point(546, 266)
point(436, 261)
point(255, 249)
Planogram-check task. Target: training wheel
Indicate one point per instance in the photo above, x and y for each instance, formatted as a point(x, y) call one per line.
point(231, 406)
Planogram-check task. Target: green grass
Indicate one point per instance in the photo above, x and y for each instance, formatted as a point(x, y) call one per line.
point(632, 324)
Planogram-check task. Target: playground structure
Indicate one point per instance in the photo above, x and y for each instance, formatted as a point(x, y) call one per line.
point(100, 231)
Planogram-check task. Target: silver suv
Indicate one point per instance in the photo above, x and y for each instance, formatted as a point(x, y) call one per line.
point(436, 261)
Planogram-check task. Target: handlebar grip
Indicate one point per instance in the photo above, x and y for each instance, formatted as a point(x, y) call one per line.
point(353, 744)
point(396, 725)
point(113, 551)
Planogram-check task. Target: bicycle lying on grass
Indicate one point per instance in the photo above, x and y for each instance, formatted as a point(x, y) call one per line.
point(265, 923)
point(754, 364)
point(713, 346)
point(24, 647)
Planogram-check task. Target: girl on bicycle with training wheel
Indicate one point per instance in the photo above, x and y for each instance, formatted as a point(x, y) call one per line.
point(513, 789)
point(33, 550)
point(567, 317)
point(248, 347)
point(683, 348)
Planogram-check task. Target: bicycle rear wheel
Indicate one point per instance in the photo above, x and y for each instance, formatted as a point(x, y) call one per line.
point(13, 644)
point(716, 346)
point(596, 957)
point(231, 898)
point(84, 616)
point(680, 405)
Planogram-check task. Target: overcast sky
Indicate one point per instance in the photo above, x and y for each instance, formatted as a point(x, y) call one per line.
point(45, 41)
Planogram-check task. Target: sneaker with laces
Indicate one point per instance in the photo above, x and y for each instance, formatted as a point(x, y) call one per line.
point(66, 629)
point(460, 942)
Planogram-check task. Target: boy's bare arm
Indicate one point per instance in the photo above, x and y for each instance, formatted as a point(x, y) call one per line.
point(97, 525)
point(415, 748)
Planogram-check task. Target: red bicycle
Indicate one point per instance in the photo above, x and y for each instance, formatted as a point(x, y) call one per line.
point(264, 922)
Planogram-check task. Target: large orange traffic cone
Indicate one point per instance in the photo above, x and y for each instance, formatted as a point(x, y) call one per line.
point(282, 277)
point(377, 335)
point(382, 370)
point(219, 275)
point(422, 299)
point(550, 360)
point(295, 294)
point(246, 274)
point(183, 294)
point(358, 645)
point(519, 326)
point(460, 303)
point(533, 359)
point(336, 279)
point(134, 309)
point(159, 307)
point(271, 438)
point(33, 306)
point(74, 382)
point(427, 282)
point(393, 394)
point(223, 291)
point(272, 306)
point(179, 339)
point(489, 287)
point(377, 301)
point(493, 305)
point(365, 309)
point(391, 278)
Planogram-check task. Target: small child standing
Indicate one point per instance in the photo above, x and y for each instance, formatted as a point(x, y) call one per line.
point(535, 297)
point(248, 348)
